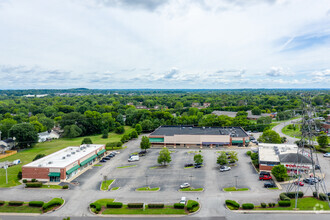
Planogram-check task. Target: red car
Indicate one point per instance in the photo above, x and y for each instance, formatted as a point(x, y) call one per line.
point(300, 183)
point(265, 177)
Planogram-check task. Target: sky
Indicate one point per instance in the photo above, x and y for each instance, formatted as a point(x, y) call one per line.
point(164, 44)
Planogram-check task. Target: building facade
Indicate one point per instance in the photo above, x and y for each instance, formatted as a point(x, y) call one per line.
point(190, 136)
point(64, 164)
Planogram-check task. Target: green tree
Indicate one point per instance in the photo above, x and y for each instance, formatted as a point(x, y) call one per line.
point(38, 126)
point(87, 141)
point(147, 125)
point(280, 172)
point(5, 125)
point(322, 139)
point(198, 158)
point(138, 128)
point(25, 134)
point(233, 156)
point(222, 158)
point(105, 134)
point(270, 136)
point(38, 156)
point(242, 113)
point(145, 143)
point(256, 111)
point(178, 106)
point(72, 131)
point(120, 130)
point(134, 134)
point(47, 123)
point(164, 156)
point(124, 138)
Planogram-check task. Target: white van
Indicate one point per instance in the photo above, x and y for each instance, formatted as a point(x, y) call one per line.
point(183, 200)
point(18, 161)
point(134, 158)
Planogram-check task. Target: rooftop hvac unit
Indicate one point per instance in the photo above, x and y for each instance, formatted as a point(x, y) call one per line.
point(63, 158)
point(40, 165)
point(68, 155)
point(73, 152)
point(50, 162)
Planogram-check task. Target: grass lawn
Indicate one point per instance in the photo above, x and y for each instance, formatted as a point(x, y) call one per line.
point(115, 188)
point(308, 203)
point(20, 209)
point(292, 133)
point(27, 155)
point(148, 189)
point(51, 187)
point(127, 166)
point(97, 165)
point(229, 189)
point(168, 210)
point(190, 189)
point(273, 124)
point(103, 202)
point(106, 184)
point(188, 167)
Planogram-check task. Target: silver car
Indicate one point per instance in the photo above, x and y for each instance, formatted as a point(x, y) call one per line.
point(224, 168)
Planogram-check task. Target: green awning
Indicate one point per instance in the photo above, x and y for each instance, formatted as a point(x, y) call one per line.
point(54, 174)
point(159, 140)
point(237, 141)
point(88, 160)
point(72, 169)
point(100, 152)
point(247, 141)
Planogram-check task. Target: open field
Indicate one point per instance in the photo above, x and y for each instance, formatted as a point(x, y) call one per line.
point(27, 155)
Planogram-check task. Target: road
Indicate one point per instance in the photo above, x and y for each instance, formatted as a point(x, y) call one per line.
point(278, 129)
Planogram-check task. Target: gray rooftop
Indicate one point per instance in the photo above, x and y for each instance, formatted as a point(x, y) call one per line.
point(294, 158)
point(191, 130)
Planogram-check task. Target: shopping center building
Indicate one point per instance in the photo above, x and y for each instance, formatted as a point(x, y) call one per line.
point(64, 164)
point(190, 136)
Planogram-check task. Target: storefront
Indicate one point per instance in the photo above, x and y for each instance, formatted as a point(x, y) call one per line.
point(54, 177)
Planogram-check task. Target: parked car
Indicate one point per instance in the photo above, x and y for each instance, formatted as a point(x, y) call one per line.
point(309, 181)
point(198, 166)
point(189, 165)
point(265, 177)
point(185, 185)
point(106, 158)
point(326, 155)
point(269, 184)
point(317, 167)
point(299, 182)
point(134, 158)
point(103, 161)
point(111, 155)
point(264, 173)
point(142, 153)
point(224, 168)
point(183, 200)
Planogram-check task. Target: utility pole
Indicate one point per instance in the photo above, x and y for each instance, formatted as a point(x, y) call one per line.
point(6, 167)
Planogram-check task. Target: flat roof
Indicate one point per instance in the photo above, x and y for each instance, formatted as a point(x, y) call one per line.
point(71, 154)
point(191, 130)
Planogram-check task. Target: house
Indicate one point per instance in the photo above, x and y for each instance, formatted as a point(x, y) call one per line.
point(130, 103)
point(7, 144)
point(206, 104)
point(141, 107)
point(45, 136)
point(195, 104)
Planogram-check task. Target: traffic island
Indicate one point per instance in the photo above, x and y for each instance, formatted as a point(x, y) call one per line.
point(191, 189)
point(105, 185)
point(143, 189)
point(234, 189)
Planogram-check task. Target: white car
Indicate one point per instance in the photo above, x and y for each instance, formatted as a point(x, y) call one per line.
point(185, 185)
point(326, 155)
point(183, 200)
point(224, 168)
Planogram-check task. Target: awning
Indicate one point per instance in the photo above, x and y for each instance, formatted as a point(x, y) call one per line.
point(100, 152)
point(237, 141)
point(72, 169)
point(88, 160)
point(247, 141)
point(159, 140)
point(54, 174)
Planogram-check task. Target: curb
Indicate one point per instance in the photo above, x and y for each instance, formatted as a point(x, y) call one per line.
point(54, 210)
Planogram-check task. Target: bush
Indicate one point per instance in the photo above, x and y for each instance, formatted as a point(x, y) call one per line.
point(33, 180)
point(248, 153)
point(96, 206)
point(38, 156)
point(232, 203)
point(191, 205)
point(15, 203)
point(34, 184)
point(19, 175)
point(322, 197)
point(105, 134)
point(52, 203)
point(2, 202)
point(263, 205)
point(273, 204)
point(65, 187)
point(284, 203)
point(292, 195)
point(24, 181)
point(36, 203)
point(178, 206)
point(156, 206)
point(270, 204)
point(87, 141)
point(247, 206)
point(120, 130)
point(114, 205)
point(284, 197)
point(135, 205)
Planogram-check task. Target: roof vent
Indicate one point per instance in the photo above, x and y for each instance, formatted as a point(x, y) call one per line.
point(50, 162)
point(68, 155)
point(73, 152)
point(63, 158)
point(40, 165)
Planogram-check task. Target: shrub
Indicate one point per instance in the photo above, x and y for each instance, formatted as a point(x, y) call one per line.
point(24, 181)
point(114, 205)
point(322, 197)
point(135, 205)
point(38, 156)
point(2, 202)
point(65, 187)
point(248, 153)
point(178, 206)
point(270, 204)
point(292, 195)
point(156, 206)
point(36, 203)
point(263, 205)
point(191, 205)
point(247, 206)
point(284, 197)
point(15, 203)
point(34, 184)
point(87, 141)
point(33, 180)
point(284, 203)
point(96, 206)
point(19, 175)
point(232, 203)
point(273, 204)
point(52, 203)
